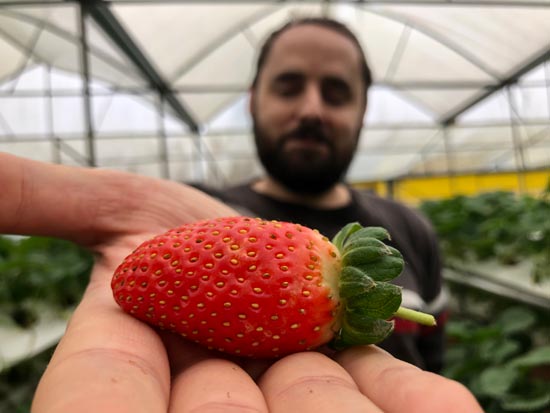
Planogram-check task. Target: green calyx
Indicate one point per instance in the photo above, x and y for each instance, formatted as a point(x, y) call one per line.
point(368, 300)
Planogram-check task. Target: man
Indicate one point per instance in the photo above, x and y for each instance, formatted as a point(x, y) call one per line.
point(307, 101)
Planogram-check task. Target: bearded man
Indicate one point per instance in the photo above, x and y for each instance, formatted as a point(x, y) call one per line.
point(307, 102)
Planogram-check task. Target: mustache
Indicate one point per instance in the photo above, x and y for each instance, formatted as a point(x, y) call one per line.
point(307, 131)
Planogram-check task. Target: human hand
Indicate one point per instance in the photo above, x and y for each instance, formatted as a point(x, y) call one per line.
point(109, 362)
point(363, 379)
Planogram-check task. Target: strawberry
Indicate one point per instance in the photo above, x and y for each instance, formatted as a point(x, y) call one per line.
point(257, 288)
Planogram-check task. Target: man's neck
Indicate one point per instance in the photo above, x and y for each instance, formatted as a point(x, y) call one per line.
point(336, 197)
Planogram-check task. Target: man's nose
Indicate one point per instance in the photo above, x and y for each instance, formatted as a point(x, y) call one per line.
point(312, 103)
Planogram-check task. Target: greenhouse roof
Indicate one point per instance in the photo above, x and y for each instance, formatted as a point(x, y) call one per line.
point(160, 87)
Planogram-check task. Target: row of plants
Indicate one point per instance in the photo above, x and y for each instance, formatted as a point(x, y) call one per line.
point(18, 383)
point(39, 272)
point(497, 348)
point(36, 274)
point(495, 225)
point(502, 357)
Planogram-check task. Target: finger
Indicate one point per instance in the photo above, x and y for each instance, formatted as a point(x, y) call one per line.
point(399, 387)
point(89, 206)
point(204, 382)
point(106, 362)
point(311, 382)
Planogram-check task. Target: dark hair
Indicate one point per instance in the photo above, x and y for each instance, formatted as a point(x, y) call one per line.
point(318, 21)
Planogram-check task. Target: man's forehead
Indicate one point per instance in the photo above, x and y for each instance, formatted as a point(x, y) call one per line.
point(324, 43)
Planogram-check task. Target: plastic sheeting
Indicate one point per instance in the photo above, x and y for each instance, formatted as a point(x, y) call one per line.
point(432, 62)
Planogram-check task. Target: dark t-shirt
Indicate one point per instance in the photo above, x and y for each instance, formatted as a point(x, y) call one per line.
point(411, 234)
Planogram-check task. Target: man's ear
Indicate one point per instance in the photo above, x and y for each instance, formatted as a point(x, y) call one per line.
point(251, 100)
point(364, 111)
point(366, 104)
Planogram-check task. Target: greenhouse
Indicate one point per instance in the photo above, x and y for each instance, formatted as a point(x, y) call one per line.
point(457, 127)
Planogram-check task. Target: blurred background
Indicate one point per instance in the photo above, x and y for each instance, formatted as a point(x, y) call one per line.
point(458, 126)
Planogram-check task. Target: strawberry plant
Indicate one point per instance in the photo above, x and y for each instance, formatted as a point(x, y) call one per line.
point(18, 383)
point(261, 288)
point(499, 361)
point(497, 225)
point(37, 272)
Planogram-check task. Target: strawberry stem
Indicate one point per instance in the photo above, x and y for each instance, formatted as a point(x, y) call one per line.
point(416, 316)
point(367, 297)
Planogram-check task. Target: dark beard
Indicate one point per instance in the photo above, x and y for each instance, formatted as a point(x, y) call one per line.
point(307, 172)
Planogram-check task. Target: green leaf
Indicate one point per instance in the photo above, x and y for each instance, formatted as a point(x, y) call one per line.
point(353, 282)
point(497, 350)
point(460, 329)
point(350, 245)
point(364, 254)
point(386, 268)
point(378, 233)
point(468, 332)
point(516, 320)
point(382, 301)
point(527, 404)
point(497, 381)
point(344, 233)
point(537, 357)
point(372, 331)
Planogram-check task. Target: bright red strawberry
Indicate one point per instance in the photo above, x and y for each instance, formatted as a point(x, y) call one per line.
point(260, 288)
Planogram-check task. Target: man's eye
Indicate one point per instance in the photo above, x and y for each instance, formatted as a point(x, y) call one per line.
point(288, 88)
point(288, 84)
point(335, 97)
point(336, 92)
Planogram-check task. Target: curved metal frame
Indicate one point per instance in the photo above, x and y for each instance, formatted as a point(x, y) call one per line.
point(102, 15)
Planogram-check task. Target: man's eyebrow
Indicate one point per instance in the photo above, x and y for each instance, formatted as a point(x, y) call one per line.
point(337, 80)
point(288, 76)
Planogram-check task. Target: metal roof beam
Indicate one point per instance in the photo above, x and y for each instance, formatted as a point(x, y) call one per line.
point(512, 78)
point(103, 16)
point(455, 3)
point(482, 3)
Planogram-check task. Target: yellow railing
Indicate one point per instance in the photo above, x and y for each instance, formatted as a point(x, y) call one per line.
point(414, 190)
